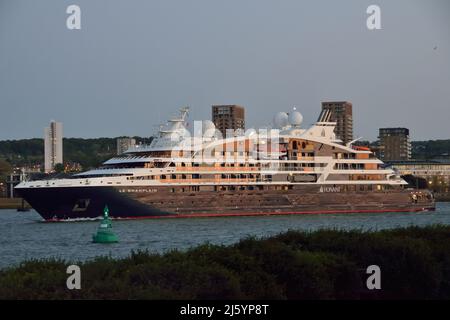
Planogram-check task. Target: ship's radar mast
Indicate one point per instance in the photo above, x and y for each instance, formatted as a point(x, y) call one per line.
point(183, 115)
point(173, 132)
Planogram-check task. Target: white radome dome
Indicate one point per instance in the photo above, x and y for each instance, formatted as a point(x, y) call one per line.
point(207, 125)
point(295, 118)
point(281, 120)
point(208, 128)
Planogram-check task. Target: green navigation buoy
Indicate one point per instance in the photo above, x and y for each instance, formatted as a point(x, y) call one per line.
point(104, 232)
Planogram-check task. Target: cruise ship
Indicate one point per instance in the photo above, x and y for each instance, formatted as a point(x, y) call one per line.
point(280, 170)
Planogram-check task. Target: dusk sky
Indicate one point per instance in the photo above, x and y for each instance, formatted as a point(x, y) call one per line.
point(134, 63)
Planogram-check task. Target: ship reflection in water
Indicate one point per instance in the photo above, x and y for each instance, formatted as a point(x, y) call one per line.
point(24, 236)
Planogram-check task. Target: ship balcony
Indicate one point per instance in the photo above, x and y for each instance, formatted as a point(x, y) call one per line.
point(304, 158)
point(215, 181)
point(299, 169)
point(362, 171)
point(198, 170)
point(215, 169)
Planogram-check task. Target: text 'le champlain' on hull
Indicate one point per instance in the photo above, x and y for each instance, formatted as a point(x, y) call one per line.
point(281, 170)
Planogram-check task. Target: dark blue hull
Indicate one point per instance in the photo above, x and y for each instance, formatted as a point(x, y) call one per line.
point(134, 202)
point(65, 203)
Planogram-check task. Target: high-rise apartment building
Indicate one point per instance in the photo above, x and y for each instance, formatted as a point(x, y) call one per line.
point(123, 144)
point(340, 112)
point(53, 146)
point(394, 144)
point(228, 117)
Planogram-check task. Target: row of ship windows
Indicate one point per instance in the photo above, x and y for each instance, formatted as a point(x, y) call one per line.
point(234, 176)
point(342, 188)
point(302, 154)
point(243, 165)
point(294, 152)
point(233, 202)
point(151, 165)
point(231, 188)
point(194, 176)
point(362, 187)
point(354, 166)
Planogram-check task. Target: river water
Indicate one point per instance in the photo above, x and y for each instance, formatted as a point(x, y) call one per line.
point(23, 235)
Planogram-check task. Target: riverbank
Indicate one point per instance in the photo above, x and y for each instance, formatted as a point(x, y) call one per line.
point(442, 197)
point(12, 203)
point(325, 264)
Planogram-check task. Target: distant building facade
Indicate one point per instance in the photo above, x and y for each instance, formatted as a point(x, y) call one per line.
point(395, 144)
point(53, 146)
point(123, 144)
point(436, 172)
point(340, 112)
point(228, 117)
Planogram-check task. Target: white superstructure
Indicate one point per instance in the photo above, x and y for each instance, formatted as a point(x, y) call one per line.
point(286, 154)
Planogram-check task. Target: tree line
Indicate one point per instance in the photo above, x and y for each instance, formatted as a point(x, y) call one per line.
point(88, 153)
point(414, 263)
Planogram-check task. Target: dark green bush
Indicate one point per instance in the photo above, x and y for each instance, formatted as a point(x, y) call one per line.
point(326, 264)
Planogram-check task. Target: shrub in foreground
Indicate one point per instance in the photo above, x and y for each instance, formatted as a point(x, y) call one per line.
point(326, 264)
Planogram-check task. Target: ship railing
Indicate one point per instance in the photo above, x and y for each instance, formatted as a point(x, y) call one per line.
point(220, 180)
point(253, 169)
point(208, 169)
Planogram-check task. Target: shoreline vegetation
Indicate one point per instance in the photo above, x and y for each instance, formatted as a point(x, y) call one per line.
point(324, 264)
point(13, 203)
point(442, 197)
